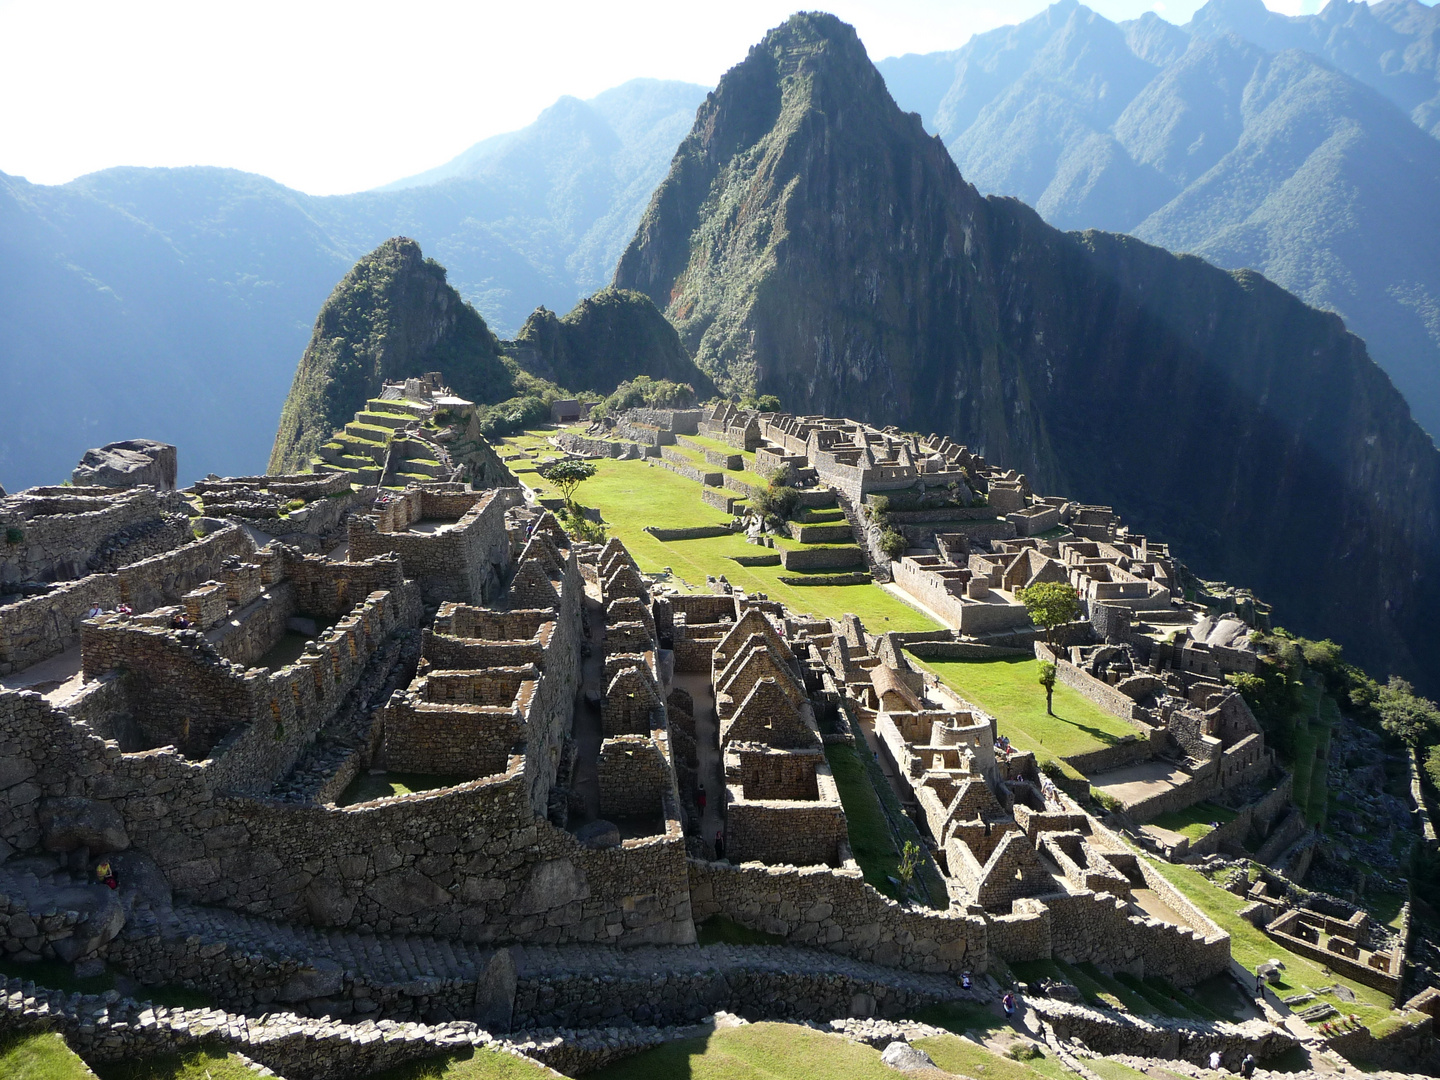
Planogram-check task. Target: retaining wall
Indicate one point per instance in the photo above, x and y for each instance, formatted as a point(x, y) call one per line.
point(836, 910)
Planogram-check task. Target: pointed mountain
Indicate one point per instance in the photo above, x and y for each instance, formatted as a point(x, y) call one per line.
point(606, 339)
point(813, 242)
point(393, 316)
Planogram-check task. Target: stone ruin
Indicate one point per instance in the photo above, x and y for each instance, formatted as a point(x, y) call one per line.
point(237, 712)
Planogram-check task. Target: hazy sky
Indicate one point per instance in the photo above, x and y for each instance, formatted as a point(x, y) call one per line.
point(332, 96)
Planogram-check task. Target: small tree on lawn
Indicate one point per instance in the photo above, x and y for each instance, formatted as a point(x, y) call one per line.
point(567, 475)
point(1047, 680)
point(1050, 604)
point(909, 863)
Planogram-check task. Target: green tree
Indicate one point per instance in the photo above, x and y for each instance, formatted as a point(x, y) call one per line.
point(909, 863)
point(567, 474)
point(893, 543)
point(1047, 680)
point(1050, 604)
point(1413, 720)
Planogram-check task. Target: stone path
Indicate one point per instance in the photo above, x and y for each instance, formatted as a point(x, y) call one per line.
point(707, 751)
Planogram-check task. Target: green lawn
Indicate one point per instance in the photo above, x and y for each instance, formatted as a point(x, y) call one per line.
point(633, 494)
point(1252, 947)
point(1194, 821)
point(965, 1058)
point(871, 841)
point(754, 1052)
point(1009, 690)
point(471, 1065)
point(41, 1056)
point(204, 1064)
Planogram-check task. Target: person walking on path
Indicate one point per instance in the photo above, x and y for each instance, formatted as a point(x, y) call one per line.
point(719, 845)
point(1215, 1060)
point(1008, 1001)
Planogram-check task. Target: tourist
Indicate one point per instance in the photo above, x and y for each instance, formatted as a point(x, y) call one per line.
point(700, 798)
point(1247, 1066)
point(105, 875)
point(1215, 1060)
point(965, 983)
point(1008, 1001)
point(95, 611)
point(178, 621)
point(1259, 985)
point(720, 844)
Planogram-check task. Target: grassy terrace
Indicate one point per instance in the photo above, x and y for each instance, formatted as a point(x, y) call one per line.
point(1195, 821)
point(633, 494)
point(789, 1052)
point(1250, 947)
point(1009, 689)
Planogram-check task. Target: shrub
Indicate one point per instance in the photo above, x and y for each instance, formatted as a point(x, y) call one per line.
point(645, 392)
point(893, 543)
point(779, 499)
point(295, 504)
point(1109, 803)
point(573, 521)
point(1021, 1051)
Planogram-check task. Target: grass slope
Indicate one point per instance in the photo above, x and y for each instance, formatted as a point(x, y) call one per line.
point(753, 1052)
point(206, 1064)
point(40, 1056)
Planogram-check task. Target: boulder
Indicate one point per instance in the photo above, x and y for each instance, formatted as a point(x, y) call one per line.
point(72, 822)
point(204, 526)
point(901, 1055)
point(130, 463)
point(101, 917)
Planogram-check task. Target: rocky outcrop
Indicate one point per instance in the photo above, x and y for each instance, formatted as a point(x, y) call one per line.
point(813, 242)
point(128, 464)
point(393, 316)
point(606, 339)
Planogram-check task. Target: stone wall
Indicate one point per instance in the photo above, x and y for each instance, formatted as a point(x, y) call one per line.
point(821, 558)
point(43, 626)
point(449, 739)
point(471, 861)
point(55, 536)
point(464, 561)
point(1112, 1032)
point(836, 910)
point(719, 499)
point(107, 1031)
point(1102, 694)
point(633, 777)
point(785, 833)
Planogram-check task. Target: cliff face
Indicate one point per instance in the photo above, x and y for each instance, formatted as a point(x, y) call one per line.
point(606, 339)
point(811, 241)
point(392, 316)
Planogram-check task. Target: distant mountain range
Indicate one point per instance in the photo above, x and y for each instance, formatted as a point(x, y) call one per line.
point(1300, 147)
point(812, 241)
point(175, 303)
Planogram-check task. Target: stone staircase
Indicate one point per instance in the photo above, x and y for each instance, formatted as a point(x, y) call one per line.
point(879, 569)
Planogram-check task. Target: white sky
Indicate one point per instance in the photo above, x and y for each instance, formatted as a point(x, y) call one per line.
point(329, 96)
